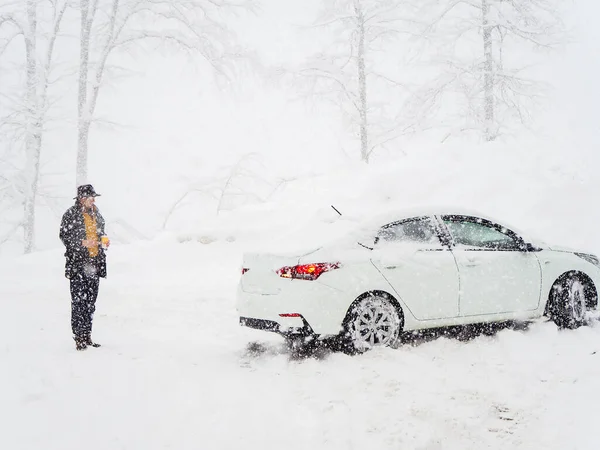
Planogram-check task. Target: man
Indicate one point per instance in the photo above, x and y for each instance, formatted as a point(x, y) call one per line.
point(82, 233)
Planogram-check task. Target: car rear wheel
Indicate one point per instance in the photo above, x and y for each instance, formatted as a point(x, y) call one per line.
point(373, 321)
point(569, 302)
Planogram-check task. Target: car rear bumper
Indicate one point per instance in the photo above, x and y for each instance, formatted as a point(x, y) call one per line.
point(313, 307)
point(260, 324)
point(276, 327)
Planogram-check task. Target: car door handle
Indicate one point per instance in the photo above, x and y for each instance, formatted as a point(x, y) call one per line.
point(393, 265)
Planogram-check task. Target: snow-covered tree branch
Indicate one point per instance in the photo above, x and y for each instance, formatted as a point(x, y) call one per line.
point(39, 24)
point(348, 69)
point(108, 26)
point(479, 48)
point(232, 186)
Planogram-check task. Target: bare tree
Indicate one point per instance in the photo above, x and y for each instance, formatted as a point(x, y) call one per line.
point(480, 46)
point(109, 26)
point(350, 69)
point(38, 24)
point(232, 186)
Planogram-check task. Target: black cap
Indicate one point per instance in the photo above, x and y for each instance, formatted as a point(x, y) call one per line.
point(85, 191)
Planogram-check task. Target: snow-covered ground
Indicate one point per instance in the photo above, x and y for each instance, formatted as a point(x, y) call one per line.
point(176, 371)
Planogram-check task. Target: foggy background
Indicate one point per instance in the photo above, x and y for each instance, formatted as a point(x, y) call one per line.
point(165, 123)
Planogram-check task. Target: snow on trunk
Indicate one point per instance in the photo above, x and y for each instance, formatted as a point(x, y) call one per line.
point(37, 85)
point(33, 139)
point(488, 73)
point(87, 17)
point(362, 83)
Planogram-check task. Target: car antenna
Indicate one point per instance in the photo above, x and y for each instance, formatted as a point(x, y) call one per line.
point(362, 245)
point(335, 209)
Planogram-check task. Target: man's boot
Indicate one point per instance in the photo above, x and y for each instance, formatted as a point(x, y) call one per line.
point(80, 343)
point(90, 343)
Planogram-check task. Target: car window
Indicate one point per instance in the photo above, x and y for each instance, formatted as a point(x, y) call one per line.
point(419, 230)
point(481, 235)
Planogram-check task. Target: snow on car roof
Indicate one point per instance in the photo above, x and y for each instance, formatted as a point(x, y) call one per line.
point(380, 217)
point(329, 228)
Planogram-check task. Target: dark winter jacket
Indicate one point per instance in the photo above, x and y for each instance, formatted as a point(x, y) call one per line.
point(72, 233)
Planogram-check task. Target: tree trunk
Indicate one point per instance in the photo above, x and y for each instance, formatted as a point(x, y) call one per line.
point(488, 74)
point(362, 83)
point(33, 169)
point(84, 119)
point(32, 127)
point(82, 152)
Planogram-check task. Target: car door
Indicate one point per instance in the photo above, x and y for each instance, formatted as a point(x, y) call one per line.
point(419, 267)
point(497, 272)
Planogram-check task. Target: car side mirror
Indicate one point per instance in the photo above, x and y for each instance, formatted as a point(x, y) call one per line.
point(529, 247)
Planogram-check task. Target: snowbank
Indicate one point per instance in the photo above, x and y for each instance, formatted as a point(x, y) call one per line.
point(529, 186)
point(176, 371)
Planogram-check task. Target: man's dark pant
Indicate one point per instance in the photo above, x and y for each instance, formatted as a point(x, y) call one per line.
point(84, 291)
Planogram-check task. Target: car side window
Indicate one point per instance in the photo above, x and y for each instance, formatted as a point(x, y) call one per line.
point(479, 234)
point(420, 231)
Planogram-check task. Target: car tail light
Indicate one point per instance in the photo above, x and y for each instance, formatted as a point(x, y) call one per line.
point(307, 271)
point(244, 270)
point(290, 315)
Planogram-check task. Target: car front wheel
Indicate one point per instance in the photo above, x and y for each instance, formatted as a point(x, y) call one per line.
point(569, 303)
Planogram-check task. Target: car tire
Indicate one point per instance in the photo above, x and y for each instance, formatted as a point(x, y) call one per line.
point(372, 321)
point(569, 302)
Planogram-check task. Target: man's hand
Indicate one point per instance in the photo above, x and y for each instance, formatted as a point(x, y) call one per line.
point(89, 243)
point(105, 241)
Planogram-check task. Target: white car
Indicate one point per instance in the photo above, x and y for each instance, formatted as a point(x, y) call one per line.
point(417, 272)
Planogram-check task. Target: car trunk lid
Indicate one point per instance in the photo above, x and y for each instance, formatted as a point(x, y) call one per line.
point(260, 272)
